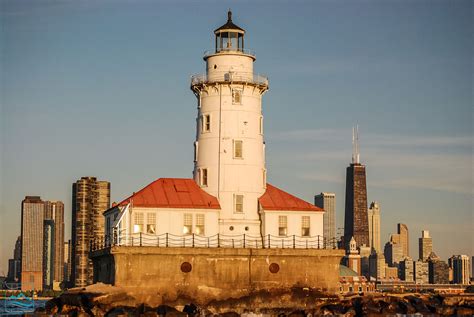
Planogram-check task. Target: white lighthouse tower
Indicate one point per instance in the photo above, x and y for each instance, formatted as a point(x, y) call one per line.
point(229, 161)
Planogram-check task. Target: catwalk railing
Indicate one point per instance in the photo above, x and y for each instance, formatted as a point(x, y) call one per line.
point(230, 77)
point(168, 240)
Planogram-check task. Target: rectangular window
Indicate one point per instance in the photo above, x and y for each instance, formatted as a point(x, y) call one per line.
point(196, 149)
point(138, 223)
point(206, 123)
point(188, 224)
point(260, 129)
point(204, 177)
point(236, 96)
point(200, 224)
point(282, 225)
point(305, 226)
point(239, 203)
point(264, 176)
point(151, 223)
point(238, 149)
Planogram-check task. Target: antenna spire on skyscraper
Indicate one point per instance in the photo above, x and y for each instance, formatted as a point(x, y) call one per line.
point(355, 145)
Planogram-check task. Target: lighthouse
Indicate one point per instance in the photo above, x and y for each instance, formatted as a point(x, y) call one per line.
point(229, 156)
point(228, 197)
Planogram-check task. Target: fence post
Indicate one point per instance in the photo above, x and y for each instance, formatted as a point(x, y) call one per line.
point(158, 241)
point(208, 242)
point(140, 238)
point(294, 242)
point(318, 240)
point(193, 240)
point(132, 241)
point(282, 243)
point(269, 245)
point(232, 242)
point(166, 239)
point(218, 241)
point(184, 241)
point(306, 243)
point(244, 240)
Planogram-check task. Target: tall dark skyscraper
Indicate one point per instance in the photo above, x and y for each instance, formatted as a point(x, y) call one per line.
point(356, 222)
point(90, 198)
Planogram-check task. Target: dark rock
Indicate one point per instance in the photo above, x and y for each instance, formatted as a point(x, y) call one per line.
point(464, 311)
point(297, 313)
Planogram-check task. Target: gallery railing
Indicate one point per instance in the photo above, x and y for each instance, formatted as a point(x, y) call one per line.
point(230, 77)
point(168, 240)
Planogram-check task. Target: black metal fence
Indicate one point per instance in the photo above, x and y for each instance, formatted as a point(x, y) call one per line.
point(168, 240)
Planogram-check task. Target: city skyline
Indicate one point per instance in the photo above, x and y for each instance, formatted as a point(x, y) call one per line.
point(309, 152)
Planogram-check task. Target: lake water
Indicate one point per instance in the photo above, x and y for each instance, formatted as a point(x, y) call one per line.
point(10, 307)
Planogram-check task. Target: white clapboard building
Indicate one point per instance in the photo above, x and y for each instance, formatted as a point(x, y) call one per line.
point(228, 201)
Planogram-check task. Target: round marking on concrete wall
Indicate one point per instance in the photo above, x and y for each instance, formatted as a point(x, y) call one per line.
point(246, 228)
point(231, 228)
point(274, 268)
point(186, 267)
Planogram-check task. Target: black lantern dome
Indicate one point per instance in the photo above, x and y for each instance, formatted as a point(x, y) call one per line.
point(229, 37)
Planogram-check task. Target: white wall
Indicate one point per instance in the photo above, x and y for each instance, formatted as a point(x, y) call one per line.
point(294, 218)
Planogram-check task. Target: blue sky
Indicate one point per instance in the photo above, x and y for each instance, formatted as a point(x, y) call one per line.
point(101, 88)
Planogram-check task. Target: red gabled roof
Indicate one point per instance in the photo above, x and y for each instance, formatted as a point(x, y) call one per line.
point(173, 193)
point(277, 199)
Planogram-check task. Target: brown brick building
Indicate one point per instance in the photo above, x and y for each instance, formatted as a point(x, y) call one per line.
point(356, 223)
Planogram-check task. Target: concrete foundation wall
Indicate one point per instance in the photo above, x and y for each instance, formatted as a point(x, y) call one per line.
point(216, 273)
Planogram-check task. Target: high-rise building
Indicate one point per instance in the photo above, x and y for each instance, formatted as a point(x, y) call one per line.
point(438, 270)
point(393, 253)
point(48, 253)
point(67, 262)
point(90, 198)
point(421, 272)
point(461, 268)
point(54, 210)
point(32, 217)
point(327, 201)
point(404, 238)
point(374, 226)
point(406, 270)
point(425, 245)
point(356, 219)
point(377, 266)
point(14, 264)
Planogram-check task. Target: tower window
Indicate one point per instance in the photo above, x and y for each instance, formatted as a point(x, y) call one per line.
point(264, 176)
point(188, 224)
point(206, 123)
point(200, 224)
point(236, 96)
point(282, 225)
point(239, 203)
point(260, 128)
point(238, 149)
point(305, 226)
point(196, 149)
point(204, 177)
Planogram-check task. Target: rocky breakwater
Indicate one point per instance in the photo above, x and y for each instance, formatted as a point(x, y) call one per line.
point(106, 300)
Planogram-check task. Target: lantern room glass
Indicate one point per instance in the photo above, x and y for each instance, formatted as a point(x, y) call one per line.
point(229, 41)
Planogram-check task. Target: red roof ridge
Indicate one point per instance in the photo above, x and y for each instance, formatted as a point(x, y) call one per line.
point(275, 198)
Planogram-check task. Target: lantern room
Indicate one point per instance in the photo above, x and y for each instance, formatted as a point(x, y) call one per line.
point(229, 37)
